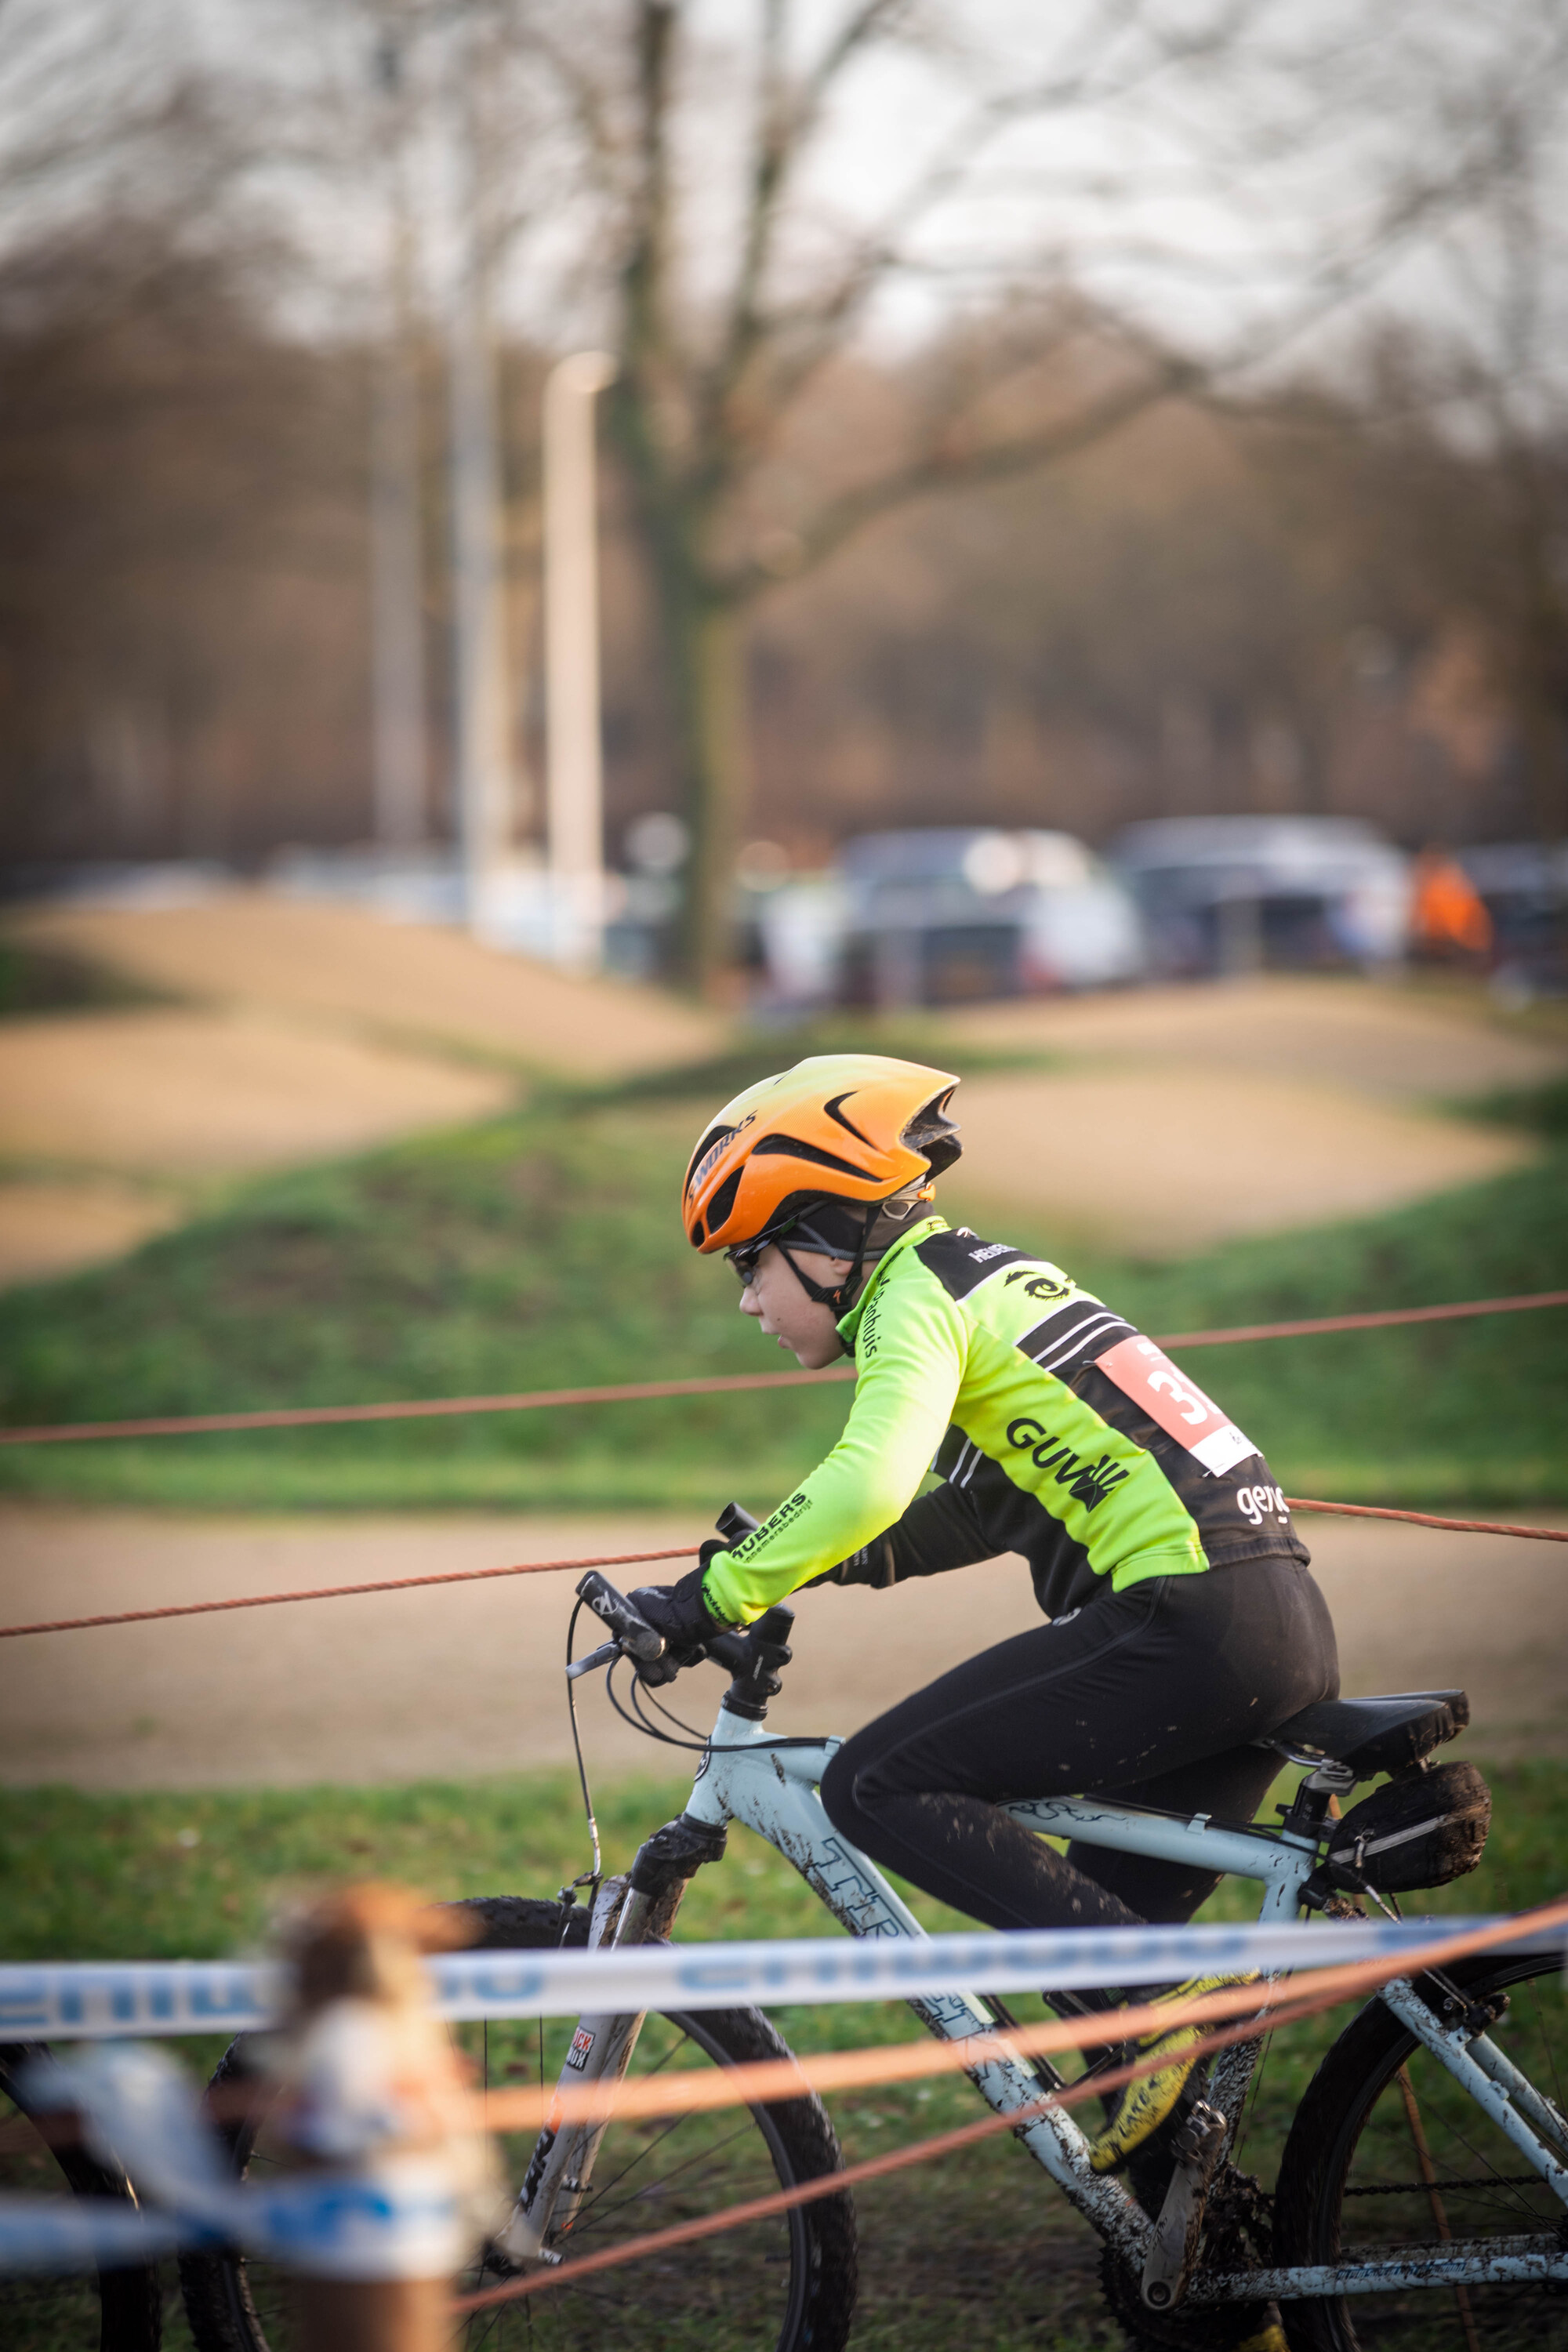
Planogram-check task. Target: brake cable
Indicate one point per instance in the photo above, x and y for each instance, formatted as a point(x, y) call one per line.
point(589, 1877)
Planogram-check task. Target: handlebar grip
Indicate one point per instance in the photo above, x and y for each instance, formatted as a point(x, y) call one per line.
point(634, 1634)
point(734, 1523)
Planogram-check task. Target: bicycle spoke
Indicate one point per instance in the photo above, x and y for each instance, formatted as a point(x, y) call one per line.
point(715, 2148)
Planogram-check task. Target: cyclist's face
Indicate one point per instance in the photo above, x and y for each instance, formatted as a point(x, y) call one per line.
point(799, 1323)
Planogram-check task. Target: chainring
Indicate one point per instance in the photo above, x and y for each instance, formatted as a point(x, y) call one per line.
point(1237, 2235)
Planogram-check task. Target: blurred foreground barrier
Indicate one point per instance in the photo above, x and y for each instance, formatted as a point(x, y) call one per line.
point(135, 2104)
point(388, 2184)
point(97, 2000)
point(316, 1416)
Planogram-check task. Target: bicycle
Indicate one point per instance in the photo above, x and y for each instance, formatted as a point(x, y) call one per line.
point(1422, 2193)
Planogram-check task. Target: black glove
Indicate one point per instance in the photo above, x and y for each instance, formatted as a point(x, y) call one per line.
point(679, 1612)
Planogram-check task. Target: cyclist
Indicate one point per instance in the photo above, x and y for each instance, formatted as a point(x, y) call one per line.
point(1183, 1625)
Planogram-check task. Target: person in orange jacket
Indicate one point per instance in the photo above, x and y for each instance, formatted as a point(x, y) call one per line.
point(1450, 922)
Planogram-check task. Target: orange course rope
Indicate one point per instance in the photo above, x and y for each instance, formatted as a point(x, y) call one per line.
point(1426, 1519)
point(341, 1591)
point(636, 1558)
point(313, 1416)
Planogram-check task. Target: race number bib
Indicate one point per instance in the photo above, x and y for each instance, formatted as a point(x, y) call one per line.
point(1147, 1375)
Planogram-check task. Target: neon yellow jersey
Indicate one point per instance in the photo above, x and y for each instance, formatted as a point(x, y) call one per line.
point(1066, 1434)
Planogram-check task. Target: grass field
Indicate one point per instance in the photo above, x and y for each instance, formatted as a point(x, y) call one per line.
point(541, 1251)
point(977, 2246)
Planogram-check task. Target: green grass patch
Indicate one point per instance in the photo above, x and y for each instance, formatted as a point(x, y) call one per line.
point(543, 1250)
point(979, 2241)
point(35, 978)
point(1542, 1109)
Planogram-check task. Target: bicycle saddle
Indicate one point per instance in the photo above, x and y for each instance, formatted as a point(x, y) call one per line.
point(1373, 1735)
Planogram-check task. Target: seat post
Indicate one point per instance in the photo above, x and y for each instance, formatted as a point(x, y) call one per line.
point(1309, 1809)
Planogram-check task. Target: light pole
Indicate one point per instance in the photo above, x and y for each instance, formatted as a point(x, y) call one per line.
point(398, 623)
point(575, 785)
point(481, 748)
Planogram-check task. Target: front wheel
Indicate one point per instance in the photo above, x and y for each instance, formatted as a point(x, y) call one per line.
point(781, 2284)
point(77, 2311)
point(1388, 2150)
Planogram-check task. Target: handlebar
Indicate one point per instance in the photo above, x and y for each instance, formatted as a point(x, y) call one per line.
point(632, 1633)
point(753, 1656)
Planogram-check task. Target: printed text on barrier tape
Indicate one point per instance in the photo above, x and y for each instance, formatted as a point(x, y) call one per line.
point(312, 1416)
point(93, 2001)
point(54, 2233)
point(107, 2235)
point(37, 2233)
point(1545, 1930)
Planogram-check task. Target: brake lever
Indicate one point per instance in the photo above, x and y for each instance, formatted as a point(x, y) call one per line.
point(605, 1656)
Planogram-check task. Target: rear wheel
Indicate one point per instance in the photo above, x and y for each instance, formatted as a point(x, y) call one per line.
point(786, 2283)
point(1388, 2150)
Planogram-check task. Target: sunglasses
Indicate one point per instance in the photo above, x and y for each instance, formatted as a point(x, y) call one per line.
point(743, 1258)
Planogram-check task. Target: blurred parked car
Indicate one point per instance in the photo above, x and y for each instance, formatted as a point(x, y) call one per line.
point(1232, 894)
point(1524, 887)
point(950, 915)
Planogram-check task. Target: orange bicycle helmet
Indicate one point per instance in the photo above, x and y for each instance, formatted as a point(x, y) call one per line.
point(842, 1130)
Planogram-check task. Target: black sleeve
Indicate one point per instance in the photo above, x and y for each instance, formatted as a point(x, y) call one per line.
point(937, 1531)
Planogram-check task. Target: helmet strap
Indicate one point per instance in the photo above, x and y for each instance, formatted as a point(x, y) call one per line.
point(842, 1296)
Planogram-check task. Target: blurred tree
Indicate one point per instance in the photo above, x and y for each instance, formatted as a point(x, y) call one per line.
point(183, 600)
point(725, 337)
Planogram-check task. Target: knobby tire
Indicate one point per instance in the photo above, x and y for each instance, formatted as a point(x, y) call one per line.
point(1351, 2176)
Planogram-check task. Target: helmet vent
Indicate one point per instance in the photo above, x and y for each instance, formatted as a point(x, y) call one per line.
point(933, 1133)
point(834, 1111)
point(789, 1147)
point(723, 1200)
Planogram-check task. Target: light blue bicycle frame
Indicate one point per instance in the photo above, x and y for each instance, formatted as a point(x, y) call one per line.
point(748, 1775)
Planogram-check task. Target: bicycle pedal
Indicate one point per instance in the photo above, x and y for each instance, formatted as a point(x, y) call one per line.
point(1198, 2149)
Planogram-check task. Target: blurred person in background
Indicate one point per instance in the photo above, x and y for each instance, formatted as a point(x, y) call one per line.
point(1449, 918)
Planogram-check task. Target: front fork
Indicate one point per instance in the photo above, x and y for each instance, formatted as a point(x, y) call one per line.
point(638, 1909)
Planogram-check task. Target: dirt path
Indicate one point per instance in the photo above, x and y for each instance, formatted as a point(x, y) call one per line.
point(1161, 1161)
point(344, 965)
point(54, 1228)
point(467, 1680)
point(199, 1093)
point(1183, 1116)
point(1376, 1037)
point(317, 1030)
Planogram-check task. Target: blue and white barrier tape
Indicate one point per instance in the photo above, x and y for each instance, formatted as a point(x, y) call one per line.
point(72, 2000)
point(405, 2217)
point(343, 2230)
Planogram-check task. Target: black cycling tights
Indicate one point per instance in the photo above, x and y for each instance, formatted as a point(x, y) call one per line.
point(1156, 1693)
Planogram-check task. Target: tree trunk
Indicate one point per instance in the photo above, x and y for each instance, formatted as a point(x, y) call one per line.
point(704, 641)
point(711, 683)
